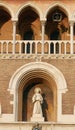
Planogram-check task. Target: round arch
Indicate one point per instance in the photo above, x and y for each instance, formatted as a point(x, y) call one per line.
point(8, 9)
point(35, 7)
point(67, 11)
point(47, 69)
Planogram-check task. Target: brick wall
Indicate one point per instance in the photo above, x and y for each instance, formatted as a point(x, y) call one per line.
point(66, 66)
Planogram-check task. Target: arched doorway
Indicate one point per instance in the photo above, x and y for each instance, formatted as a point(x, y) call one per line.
point(52, 83)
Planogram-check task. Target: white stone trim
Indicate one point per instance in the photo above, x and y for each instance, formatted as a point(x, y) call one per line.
point(46, 68)
point(7, 118)
point(50, 69)
point(33, 5)
point(71, 36)
point(8, 8)
point(38, 57)
point(73, 16)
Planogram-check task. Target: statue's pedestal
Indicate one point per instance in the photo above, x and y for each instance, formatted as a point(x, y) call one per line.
point(37, 117)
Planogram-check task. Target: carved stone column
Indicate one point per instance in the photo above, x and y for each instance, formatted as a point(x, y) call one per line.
point(43, 34)
point(14, 34)
point(71, 36)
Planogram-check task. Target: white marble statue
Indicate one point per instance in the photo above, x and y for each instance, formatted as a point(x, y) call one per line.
point(37, 100)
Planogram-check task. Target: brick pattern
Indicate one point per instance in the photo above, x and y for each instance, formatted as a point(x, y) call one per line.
point(67, 67)
point(7, 69)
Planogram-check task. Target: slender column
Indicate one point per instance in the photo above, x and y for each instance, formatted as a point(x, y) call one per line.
point(65, 48)
point(25, 48)
point(59, 48)
point(36, 48)
point(43, 33)
point(7, 48)
point(20, 48)
point(31, 48)
point(71, 36)
point(14, 36)
point(2, 48)
point(54, 48)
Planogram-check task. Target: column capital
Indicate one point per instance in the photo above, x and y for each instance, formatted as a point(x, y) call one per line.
point(71, 35)
point(71, 22)
point(43, 21)
point(14, 20)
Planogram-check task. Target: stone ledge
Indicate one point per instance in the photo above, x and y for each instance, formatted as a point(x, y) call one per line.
point(37, 117)
point(29, 126)
point(37, 57)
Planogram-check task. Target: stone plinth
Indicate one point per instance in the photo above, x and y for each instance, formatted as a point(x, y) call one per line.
point(37, 117)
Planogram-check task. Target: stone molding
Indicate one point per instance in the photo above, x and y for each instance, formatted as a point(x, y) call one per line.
point(45, 68)
point(37, 57)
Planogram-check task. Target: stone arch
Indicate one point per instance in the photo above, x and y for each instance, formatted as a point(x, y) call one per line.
point(73, 15)
point(35, 7)
point(8, 9)
point(47, 70)
point(59, 4)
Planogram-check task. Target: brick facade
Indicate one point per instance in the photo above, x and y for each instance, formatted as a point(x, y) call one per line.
point(29, 34)
point(9, 66)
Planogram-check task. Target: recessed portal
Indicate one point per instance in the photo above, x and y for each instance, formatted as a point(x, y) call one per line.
point(23, 82)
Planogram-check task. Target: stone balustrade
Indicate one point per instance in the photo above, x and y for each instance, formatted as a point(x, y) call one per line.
point(36, 47)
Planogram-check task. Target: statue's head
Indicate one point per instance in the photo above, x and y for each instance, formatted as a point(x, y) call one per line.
point(37, 90)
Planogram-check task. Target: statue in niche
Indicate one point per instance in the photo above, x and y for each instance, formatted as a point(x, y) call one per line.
point(37, 100)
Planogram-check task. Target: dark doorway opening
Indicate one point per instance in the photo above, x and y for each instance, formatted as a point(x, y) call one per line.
point(28, 35)
point(55, 35)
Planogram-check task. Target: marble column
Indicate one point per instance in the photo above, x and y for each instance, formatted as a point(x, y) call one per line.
point(43, 34)
point(14, 35)
point(71, 36)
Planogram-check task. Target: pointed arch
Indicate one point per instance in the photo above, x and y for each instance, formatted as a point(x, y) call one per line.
point(35, 8)
point(73, 15)
point(61, 5)
point(7, 8)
